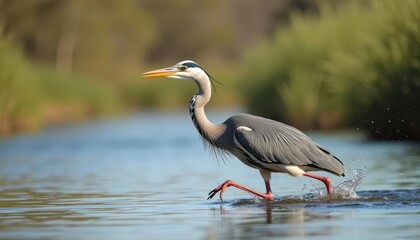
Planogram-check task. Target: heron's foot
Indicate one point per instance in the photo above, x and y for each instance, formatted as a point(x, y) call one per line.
point(220, 189)
point(228, 183)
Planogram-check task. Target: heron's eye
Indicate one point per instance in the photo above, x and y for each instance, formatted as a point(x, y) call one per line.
point(183, 68)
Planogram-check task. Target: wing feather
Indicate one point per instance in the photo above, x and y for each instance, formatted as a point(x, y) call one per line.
point(274, 142)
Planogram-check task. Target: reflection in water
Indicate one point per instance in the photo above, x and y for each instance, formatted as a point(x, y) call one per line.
point(309, 217)
point(272, 220)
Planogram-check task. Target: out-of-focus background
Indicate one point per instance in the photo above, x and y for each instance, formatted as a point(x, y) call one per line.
point(313, 64)
point(89, 146)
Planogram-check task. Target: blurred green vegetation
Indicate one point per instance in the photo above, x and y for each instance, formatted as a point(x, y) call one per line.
point(32, 95)
point(382, 79)
point(72, 59)
point(74, 96)
point(312, 64)
point(356, 66)
point(19, 93)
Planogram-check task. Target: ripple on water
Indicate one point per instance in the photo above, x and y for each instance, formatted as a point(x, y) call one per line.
point(366, 199)
point(345, 196)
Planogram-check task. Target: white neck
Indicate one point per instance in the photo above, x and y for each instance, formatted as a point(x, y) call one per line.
point(204, 126)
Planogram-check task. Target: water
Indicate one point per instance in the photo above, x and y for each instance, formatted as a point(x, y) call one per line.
point(147, 177)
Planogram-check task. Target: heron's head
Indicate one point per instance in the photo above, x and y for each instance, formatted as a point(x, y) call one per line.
point(183, 70)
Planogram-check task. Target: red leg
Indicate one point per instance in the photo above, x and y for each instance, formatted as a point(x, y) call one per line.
point(228, 183)
point(325, 180)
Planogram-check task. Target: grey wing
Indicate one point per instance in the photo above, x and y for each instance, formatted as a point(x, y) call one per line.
point(279, 143)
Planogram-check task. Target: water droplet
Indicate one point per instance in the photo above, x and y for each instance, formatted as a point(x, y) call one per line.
point(402, 173)
point(373, 122)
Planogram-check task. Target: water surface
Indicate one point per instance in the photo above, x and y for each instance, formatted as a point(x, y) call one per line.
point(147, 177)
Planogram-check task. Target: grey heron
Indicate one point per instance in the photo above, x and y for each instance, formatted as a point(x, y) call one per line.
point(260, 143)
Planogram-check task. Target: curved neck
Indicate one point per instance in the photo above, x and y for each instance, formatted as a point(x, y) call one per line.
point(208, 130)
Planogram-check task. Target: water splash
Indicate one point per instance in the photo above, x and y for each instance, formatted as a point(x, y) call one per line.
point(347, 189)
point(343, 192)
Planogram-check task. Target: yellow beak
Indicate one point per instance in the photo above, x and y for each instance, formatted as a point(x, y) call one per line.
point(163, 72)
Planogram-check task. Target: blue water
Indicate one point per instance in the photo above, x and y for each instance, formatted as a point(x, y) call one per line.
point(147, 176)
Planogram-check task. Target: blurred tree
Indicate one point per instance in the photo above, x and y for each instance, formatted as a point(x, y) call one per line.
point(99, 38)
point(110, 39)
